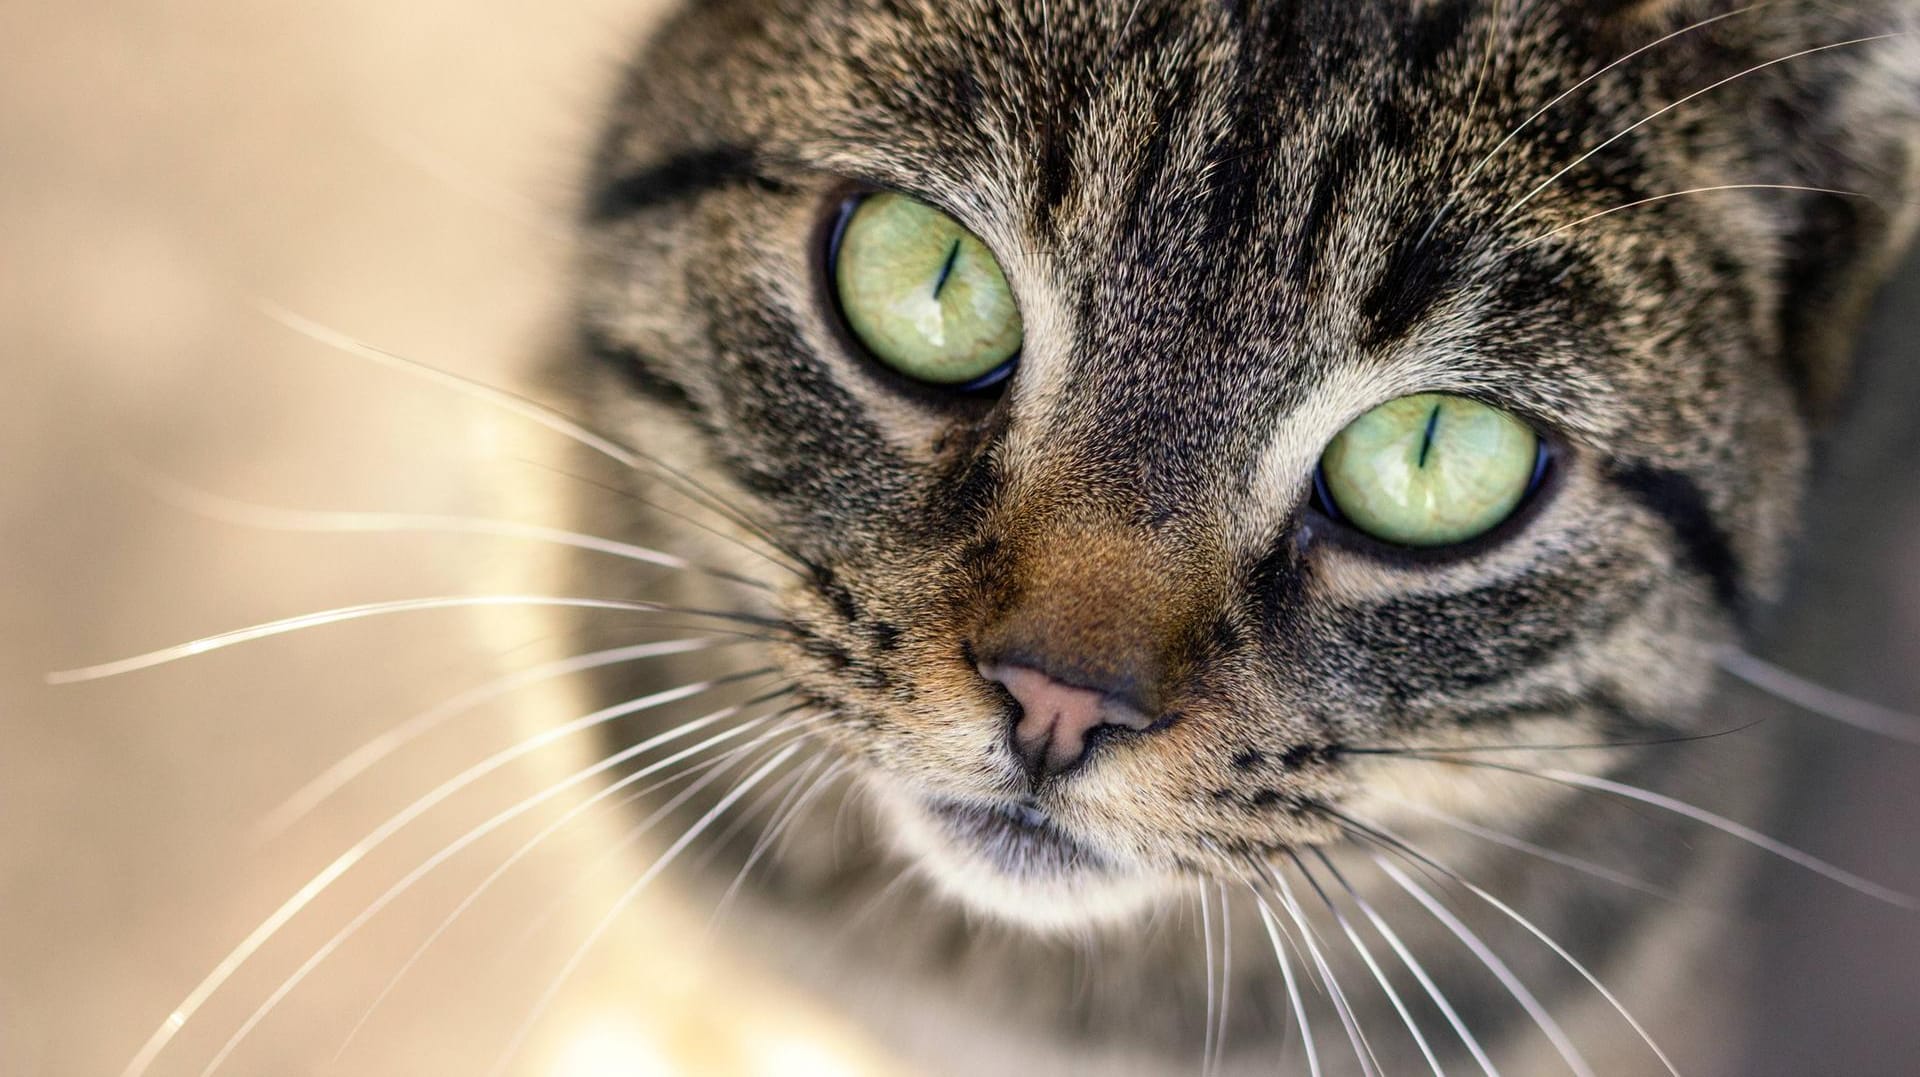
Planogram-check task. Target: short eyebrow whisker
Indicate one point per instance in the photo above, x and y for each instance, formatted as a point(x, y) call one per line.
point(1670, 195)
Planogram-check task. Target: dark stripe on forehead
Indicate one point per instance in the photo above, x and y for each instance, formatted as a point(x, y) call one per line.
point(1704, 546)
point(1058, 109)
point(1057, 177)
point(1336, 171)
point(1421, 265)
point(1433, 37)
point(1266, 83)
point(1172, 111)
point(681, 176)
point(1423, 261)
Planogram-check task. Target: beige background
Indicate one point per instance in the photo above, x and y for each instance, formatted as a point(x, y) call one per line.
point(400, 171)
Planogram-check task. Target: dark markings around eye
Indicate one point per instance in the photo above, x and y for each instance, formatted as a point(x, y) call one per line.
point(1426, 444)
point(638, 371)
point(946, 270)
point(1704, 545)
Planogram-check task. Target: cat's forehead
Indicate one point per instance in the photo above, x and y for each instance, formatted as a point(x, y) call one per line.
point(1228, 215)
point(1294, 155)
point(1074, 122)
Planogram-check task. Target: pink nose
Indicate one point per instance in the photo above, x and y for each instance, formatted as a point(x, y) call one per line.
point(1056, 718)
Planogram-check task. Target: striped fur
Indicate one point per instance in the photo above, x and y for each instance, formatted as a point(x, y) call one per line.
point(1234, 225)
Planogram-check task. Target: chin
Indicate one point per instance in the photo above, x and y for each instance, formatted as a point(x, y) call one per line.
point(1013, 863)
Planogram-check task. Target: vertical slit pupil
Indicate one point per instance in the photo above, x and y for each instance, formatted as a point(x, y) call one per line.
point(1426, 444)
point(946, 270)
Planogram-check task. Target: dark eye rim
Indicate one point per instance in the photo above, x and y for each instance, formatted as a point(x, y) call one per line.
point(1325, 522)
point(841, 206)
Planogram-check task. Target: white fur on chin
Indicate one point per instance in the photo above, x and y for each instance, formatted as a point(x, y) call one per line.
point(1058, 904)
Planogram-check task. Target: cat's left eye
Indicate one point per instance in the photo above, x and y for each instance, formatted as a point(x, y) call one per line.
point(1430, 470)
point(924, 295)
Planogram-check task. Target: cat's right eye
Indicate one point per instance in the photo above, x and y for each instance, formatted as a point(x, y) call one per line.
point(924, 295)
point(1430, 470)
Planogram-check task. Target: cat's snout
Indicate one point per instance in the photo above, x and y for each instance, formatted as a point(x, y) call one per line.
point(1057, 721)
point(1089, 629)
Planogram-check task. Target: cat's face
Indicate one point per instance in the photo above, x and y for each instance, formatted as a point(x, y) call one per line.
point(1231, 230)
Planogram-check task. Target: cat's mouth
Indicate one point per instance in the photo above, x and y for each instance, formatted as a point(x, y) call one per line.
point(1016, 860)
point(1020, 839)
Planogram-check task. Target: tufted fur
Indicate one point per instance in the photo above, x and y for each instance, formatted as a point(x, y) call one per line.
point(1233, 226)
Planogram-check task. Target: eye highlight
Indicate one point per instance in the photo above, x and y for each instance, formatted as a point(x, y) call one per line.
point(924, 295)
point(1430, 470)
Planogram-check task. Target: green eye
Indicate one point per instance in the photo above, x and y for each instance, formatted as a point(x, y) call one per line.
point(1430, 470)
point(923, 294)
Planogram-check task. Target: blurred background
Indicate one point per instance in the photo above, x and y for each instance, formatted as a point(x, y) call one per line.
point(401, 172)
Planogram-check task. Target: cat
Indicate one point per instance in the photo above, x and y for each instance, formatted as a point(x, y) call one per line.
point(1211, 523)
point(1072, 585)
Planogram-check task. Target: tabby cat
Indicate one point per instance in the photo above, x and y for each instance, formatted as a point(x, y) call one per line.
point(1201, 450)
point(1237, 490)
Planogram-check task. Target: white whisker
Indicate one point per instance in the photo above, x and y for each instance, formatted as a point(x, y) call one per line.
point(1362, 1050)
point(526, 849)
point(1293, 986)
point(323, 521)
point(1486, 65)
point(319, 883)
point(431, 864)
point(772, 797)
point(1206, 949)
point(1226, 977)
point(1585, 867)
point(1379, 975)
point(1663, 110)
point(901, 880)
point(1419, 973)
point(706, 772)
point(1520, 992)
point(783, 818)
point(1636, 203)
point(324, 618)
point(1576, 87)
point(620, 906)
point(1820, 700)
point(330, 781)
point(1738, 830)
point(537, 414)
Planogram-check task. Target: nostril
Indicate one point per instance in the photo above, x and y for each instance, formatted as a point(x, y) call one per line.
point(1057, 720)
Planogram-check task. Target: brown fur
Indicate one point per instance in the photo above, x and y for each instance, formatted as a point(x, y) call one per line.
point(1232, 227)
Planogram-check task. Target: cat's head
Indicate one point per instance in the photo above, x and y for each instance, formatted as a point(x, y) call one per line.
point(1174, 400)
